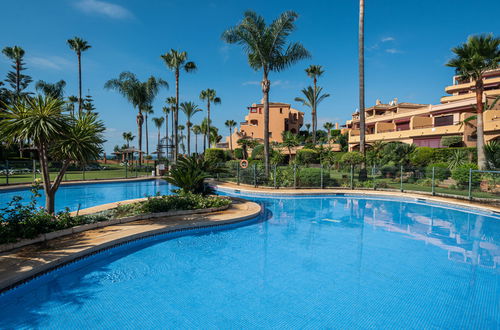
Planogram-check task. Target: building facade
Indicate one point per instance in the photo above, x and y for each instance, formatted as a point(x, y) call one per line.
point(282, 118)
point(426, 124)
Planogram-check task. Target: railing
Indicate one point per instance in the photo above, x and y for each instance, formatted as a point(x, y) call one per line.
point(478, 185)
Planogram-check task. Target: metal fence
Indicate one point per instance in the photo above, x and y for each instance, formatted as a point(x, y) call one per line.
point(26, 171)
point(465, 184)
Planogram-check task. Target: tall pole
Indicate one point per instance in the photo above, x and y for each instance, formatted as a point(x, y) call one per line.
point(361, 68)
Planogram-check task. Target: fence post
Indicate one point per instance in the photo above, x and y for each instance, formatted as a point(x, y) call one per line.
point(238, 175)
point(321, 171)
point(295, 176)
point(6, 171)
point(470, 184)
point(126, 169)
point(275, 187)
point(433, 178)
point(401, 175)
point(352, 176)
point(255, 175)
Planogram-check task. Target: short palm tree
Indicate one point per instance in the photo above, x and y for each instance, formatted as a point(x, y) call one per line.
point(177, 61)
point(71, 106)
point(189, 109)
point(171, 101)
point(148, 110)
point(78, 45)
point(166, 111)
point(472, 59)
point(328, 126)
point(128, 136)
point(314, 71)
point(158, 123)
point(204, 130)
point(290, 141)
point(55, 90)
point(55, 135)
point(139, 94)
point(230, 124)
point(209, 95)
point(267, 50)
point(246, 143)
point(312, 97)
point(181, 138)
point(196, 129)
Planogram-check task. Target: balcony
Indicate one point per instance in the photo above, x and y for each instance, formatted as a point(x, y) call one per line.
point(468, 86)
point(446, 99)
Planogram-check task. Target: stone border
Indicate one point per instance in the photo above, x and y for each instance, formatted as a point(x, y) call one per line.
point(20, 278)
point(269, 191)
point(78, 229)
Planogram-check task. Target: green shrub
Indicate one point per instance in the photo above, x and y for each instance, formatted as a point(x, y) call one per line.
point(441, 171)
point(238, 153)
point(445, 154)
point(352, 158)
point(451, 141)
point(185, 201)
point(422, 156)
point(258, 152)
point(215, 155)
point(307, 156)
point(311, 177)
point(492, 151)
point(461, 175)
point(389, 171)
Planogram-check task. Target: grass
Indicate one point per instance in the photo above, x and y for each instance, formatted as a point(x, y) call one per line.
point(112, 172)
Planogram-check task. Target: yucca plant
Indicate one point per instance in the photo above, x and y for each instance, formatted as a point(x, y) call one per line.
point(492, 151)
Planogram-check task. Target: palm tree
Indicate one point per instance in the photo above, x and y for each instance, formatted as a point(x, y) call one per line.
point(308, 127)
point(148, 110)
point(312, 97)
point(473, 58)
point(79, 45)
point(246, 143)
point(361, 69)
point(189, 109)
point(127, 136)
point(72, 100)
point(55, 90)
point(267, 50)
point(17, 80)
point(209, 95)
point(140, 94)
point(230, 124)
point(176, 61)
point(166, 111)
point(314, 71)
point(196, 131)
point(290, 141)
point(181, 138)
point(328, 126)
point(158, 123)
point(204, 130)
point(55, 135)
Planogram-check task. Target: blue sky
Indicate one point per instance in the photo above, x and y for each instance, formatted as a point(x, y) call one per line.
point(407, 45)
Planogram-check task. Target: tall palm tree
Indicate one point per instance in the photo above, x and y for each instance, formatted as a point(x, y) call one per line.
point(267, 50)
point(128, 136)
point(472, 59)
point(55, 90)
point(189, 109)
point(196, 131)
point(230, 124)
point(177, 61)
point(55, 135)
point(72, 100)
point(204, 130)
point(17, 80)
point(78, 45)
point(312, 97)
point(290, 141)
point(158, 123)
point(166, 111)
point(139, 94)
point(148, 110)
point(361, 69)
point(328, 126)
point(171, 101)
point(314, 71)
point(209, 95)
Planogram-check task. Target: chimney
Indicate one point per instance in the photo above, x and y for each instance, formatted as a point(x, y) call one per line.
point(395, 100)
point(378, 102)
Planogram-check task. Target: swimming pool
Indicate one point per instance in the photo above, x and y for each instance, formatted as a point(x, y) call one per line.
point(81, 196)
point(306, 262)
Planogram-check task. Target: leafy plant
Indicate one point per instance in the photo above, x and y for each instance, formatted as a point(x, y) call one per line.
point(458, 158)
point(451, 141)
point(461, 175)
point(441, 171)
point(492, 150)
point(352, 158)
point(307, 156)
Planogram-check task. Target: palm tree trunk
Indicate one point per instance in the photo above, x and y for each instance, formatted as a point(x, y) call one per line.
point(204, 140)
point(147, 136)
point(176, 116)
point(481, 157)
point(230, 139)
point(314, 122)
point(173, 129)
point(208, 122)
point(188, 124)
point(361, 65)
point(196, 143)
point(79, 84)
point(166, 135)
point(140, 121)
point(266, 86)
point(158, 145)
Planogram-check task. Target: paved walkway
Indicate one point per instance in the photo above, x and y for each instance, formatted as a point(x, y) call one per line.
point(24, 263)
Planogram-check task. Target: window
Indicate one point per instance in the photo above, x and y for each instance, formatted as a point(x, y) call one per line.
point(281, 110)
point(443, 121)
point(253, 110)
point(254, 122)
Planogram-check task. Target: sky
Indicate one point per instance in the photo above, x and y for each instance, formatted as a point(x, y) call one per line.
point(407, 46)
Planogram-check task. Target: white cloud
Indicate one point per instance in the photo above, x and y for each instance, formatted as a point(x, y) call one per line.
point(386, 39)
point(49, 62)
point(393, 51)
point(108, 9)
point(252, 82)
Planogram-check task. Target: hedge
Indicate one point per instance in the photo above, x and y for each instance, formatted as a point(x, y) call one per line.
point(307, 156)
point(215, 155)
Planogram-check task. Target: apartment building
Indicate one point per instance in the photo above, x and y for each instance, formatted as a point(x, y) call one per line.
point(427, 124)
point(282, 117)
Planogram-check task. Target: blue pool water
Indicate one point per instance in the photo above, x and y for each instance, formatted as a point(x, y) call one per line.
point(87, 195)
point(306, 262)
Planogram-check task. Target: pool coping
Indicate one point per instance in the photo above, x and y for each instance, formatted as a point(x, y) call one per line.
point(269, 191)
point(241, 210)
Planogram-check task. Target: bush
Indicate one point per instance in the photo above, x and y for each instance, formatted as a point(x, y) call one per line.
point(451, 141)
point(185, 201)
point(311, 177)
point(422, 156)
point(258, 152)
point(461, 175)
point(238, 153)
point(307, 156)
point(352, 158)
point(441, 171)
point(445, 154)
point(389, 171)
point(215, 155)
